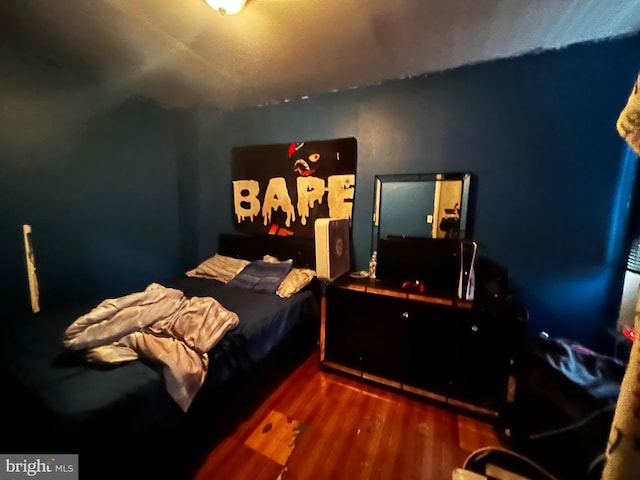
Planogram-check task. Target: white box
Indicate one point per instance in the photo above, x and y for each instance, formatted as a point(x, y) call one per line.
point(332, 241)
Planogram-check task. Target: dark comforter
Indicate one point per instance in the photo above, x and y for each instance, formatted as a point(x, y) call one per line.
point(47, 385)
point(264, 321)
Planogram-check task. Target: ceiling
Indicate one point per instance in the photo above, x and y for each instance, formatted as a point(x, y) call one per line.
point(180, 52)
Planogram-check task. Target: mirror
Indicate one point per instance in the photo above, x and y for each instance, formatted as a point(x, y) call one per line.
point(428, 205)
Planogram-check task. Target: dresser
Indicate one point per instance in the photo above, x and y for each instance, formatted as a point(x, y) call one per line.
point(460, 353)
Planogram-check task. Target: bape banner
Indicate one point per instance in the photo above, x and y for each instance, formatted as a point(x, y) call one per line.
point(281, 189)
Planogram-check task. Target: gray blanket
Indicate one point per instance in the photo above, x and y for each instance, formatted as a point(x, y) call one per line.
point(160, 324)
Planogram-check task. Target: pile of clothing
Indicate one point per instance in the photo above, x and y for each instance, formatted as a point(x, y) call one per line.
point(566, 406)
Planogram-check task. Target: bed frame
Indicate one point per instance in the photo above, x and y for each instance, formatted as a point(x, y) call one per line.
point(300, 250)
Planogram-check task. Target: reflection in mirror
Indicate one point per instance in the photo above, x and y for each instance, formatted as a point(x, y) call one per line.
point(431, 205)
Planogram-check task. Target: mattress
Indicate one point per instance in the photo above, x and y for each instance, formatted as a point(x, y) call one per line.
point(265, 320)
point(55, 388)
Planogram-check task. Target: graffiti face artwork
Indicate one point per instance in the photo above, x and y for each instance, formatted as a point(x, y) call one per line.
point(300, 165)
point(316, 183)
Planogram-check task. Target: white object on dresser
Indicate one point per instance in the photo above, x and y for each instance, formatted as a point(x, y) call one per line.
point(332, 242)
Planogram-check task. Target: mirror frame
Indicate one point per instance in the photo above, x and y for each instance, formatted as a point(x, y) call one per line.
point(380, 179)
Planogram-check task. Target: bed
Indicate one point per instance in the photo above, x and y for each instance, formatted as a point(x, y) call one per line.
point(109, 411)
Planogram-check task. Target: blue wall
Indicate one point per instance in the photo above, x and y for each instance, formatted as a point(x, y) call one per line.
point(538, 133)
point(93, 171)
point(121, 192)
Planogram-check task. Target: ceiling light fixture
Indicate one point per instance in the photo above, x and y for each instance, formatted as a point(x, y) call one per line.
point(227, 7)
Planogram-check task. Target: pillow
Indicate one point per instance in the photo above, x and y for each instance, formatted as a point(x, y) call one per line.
point(271, 259)
point(296, 280)
point(262, 276)
point(219, 267)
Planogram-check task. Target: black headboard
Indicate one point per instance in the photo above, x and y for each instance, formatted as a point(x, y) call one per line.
point(254, 247)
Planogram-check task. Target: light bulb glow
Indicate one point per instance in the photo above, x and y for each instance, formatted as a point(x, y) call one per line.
point(227, 7)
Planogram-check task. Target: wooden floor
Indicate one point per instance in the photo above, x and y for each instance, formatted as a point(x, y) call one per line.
point(345, 429)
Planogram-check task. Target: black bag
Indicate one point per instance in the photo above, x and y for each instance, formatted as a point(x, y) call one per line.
point(451, 225)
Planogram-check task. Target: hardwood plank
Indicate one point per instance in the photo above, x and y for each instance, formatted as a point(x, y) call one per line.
point(327, 425)
point(401, 466)
point(473, 434)
point(235, 461)
point(396, 465)
point(355, 446)
point(353, 430)
point(441, 445)
point(381, 451)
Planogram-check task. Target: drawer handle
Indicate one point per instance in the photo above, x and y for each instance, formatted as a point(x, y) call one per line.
point(405, 314)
